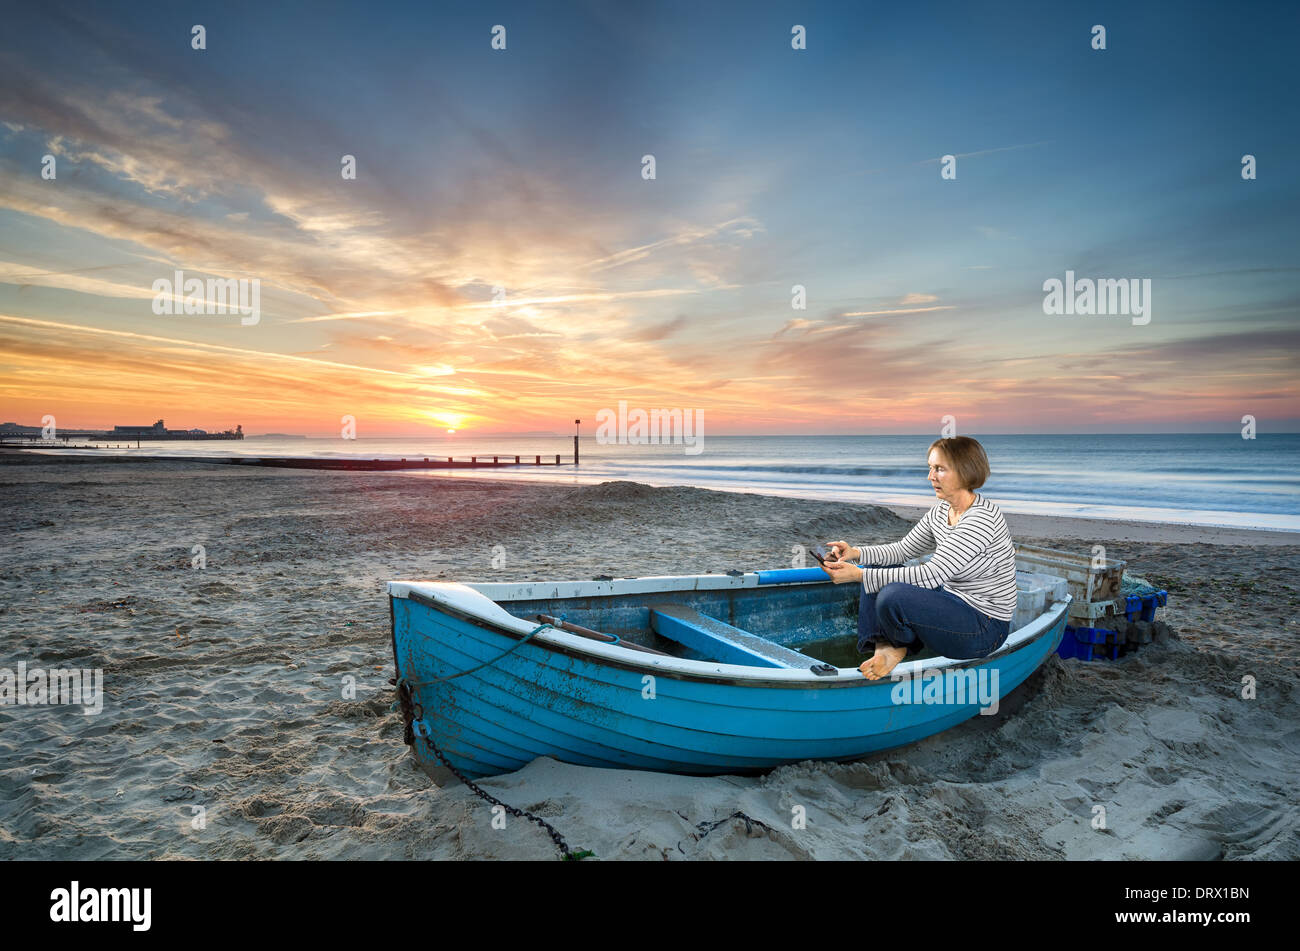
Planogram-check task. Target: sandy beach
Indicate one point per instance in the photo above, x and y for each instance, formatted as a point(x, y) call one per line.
point(225, 686)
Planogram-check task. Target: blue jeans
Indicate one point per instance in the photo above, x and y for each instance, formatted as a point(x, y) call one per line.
point(906, 615)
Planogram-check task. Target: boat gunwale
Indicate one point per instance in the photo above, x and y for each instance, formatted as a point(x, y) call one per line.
point(571, 645)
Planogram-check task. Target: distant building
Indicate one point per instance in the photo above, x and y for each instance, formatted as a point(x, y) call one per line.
point(157, 429)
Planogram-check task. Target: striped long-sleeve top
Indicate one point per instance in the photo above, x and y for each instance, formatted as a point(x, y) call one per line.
point(974, 559)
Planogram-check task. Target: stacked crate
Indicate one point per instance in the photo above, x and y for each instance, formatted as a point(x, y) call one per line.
point(1035, 592)
point(1111, 612)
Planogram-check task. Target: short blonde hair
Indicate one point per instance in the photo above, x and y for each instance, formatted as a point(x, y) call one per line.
point(966, 456)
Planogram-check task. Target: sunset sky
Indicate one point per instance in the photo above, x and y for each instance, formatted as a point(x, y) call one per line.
point(774, 167)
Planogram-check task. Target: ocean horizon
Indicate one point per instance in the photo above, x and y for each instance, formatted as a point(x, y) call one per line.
point(1205, 479)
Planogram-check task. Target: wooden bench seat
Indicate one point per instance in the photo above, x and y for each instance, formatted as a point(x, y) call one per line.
point(721, 641)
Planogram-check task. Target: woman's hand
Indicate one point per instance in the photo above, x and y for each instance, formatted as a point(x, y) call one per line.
point(843, 551)
point(841, 571)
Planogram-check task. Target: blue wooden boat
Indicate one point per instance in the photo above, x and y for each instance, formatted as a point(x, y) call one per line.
point(740, 685)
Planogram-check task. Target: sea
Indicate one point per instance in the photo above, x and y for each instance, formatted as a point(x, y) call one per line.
point(1208, 479)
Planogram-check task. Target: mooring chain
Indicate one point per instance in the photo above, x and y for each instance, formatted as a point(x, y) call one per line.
point(406, 700)
point(558, 839)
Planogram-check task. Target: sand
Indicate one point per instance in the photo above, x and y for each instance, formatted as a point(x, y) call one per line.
point(225, 686)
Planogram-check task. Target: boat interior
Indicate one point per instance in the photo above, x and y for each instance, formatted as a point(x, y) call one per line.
point(797, 628)
point(777, 623)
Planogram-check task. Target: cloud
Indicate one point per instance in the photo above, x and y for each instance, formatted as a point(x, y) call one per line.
point(191, 345)
point(659, 331)
point(687, 237)
point(906, 310)
point(1004, 148)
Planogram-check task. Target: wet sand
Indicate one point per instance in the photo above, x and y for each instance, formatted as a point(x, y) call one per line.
point(225, 686)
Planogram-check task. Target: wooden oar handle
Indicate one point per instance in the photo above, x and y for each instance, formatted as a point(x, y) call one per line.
point(595, 635)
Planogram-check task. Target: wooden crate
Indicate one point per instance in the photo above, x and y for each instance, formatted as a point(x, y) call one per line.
point(1087, 582)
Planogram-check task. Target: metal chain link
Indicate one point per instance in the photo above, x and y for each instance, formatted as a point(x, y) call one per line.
point(406, 700)
point(569, 854)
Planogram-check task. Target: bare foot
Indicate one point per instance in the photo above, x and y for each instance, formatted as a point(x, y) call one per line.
point(885, 659)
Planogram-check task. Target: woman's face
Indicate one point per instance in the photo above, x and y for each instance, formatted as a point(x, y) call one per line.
point(945, 481)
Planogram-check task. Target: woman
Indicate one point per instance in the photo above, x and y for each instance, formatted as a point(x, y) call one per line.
point(959, 603)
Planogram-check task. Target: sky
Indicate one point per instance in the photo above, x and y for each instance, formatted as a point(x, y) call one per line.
point(522, 169)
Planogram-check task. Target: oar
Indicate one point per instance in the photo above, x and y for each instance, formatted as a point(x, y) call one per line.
point(595, 635)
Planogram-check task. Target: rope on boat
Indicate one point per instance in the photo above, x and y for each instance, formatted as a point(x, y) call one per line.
point(415, 726)
point(489, 663)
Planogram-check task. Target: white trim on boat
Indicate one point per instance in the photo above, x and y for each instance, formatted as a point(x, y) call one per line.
point(480, 601)
point(530, 590)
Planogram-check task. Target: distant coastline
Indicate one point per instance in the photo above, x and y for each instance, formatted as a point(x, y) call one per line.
point(157, 432)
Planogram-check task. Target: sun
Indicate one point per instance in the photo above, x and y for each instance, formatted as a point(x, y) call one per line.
point(451, 422)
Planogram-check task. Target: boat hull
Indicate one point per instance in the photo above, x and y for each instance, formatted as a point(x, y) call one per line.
point(593, 704)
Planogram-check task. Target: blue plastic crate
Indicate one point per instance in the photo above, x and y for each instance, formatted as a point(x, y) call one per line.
point(1143, 606)
point(1159, 599)
point(1089, 643)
